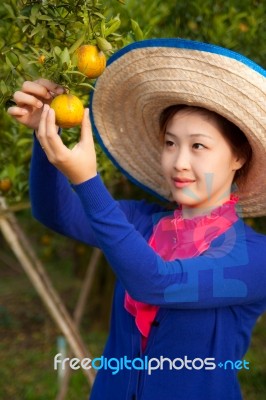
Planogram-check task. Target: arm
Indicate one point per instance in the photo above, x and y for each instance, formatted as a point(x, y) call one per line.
point(228, 274)
point(57, 206)
point(53, 201)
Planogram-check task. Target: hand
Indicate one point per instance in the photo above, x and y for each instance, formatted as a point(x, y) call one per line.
point(78, 164)
point(30, 100)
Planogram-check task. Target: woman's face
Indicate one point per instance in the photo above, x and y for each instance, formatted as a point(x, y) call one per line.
point(197, 163)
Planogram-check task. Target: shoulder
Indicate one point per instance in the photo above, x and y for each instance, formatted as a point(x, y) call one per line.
point(239, 241)
point(254, 238)
point(249, 241)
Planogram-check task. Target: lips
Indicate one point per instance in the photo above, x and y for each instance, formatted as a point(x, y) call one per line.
point(182, 182)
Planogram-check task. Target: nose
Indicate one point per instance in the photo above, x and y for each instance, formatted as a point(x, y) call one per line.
point(182, 160)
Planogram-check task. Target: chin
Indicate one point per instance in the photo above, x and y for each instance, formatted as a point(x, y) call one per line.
point(185, 200)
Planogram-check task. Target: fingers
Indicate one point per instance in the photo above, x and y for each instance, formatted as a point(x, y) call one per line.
point(17, 111)
point(50, 86)
point(48, 137)
point(42, 131)
point(42, 88)
point(35, 93)
point(47, 128)
point(86, 132)
point(54, 141)
point(24, 99)
point(77, 164)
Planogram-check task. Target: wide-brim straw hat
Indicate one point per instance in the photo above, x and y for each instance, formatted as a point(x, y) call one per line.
point(144, 78)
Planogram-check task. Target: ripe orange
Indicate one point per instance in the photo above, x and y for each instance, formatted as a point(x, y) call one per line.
point(68, 109)
point(91, 61)
point(5, 185)
point(243, 27)
point(41, 59)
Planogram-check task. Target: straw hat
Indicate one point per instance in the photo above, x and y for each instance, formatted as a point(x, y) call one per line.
point(145, 77)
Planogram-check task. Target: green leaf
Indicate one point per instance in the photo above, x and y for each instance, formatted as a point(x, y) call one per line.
point(34, 12)
point(9, 10)
point(103, 27)
point(24, 61)
point(112, 28)
point(36, 30)
point(11, 171)
point(103, 44)
point(2, 43)
point(137, 31)
point(45, 18)
point(98, 14)
point(3, 87)
point(25, 27)
point(77, 44)
point(64, 56)
point(37, 52)
point(23, 141)
point(75, 73)
point(86, 85)
point(57, 51)
point(9, 63)
point(7, 135)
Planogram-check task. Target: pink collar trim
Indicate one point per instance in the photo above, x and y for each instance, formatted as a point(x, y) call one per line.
point(190, 223)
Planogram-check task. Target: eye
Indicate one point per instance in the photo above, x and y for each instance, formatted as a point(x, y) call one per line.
point(198, 146)
point(168, 143)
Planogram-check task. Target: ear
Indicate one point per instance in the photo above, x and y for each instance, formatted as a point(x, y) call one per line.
point(238, 163)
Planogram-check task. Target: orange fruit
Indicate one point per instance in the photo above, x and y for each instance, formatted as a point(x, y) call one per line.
point(91, 61)
point(5, 185)
point(46, 239)
point(41, 59)
point(68, 109)
point(243, 27)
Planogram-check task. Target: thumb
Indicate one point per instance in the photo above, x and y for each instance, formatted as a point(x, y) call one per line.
point(86, 131)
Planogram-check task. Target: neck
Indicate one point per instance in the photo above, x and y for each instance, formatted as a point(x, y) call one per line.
point(189, 212)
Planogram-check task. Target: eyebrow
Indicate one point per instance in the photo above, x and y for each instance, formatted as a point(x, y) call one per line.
point(192, 135)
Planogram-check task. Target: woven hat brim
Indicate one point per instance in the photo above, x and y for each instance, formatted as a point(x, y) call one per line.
point(143, 79)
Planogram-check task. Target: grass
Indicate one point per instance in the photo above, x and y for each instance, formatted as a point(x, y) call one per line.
point(28, 340)
point(253, 381)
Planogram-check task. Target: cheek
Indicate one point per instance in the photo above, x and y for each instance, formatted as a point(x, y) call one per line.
point(164, 161)
point(168, 164)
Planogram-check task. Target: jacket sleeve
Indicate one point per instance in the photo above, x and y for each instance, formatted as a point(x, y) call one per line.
point(53, 201)
point(56, 205)
point(230, 272)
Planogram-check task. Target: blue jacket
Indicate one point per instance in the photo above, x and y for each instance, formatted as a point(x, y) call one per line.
point(208, 304)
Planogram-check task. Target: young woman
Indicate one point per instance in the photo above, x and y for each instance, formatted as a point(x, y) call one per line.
point(185, 121)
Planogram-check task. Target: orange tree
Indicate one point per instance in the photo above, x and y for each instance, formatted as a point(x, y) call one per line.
point(39, 38)
point(52, 39)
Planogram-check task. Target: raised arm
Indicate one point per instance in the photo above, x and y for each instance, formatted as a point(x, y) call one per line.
point(53, 201)
point(56, 205)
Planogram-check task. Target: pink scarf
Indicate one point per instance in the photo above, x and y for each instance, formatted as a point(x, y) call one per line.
point(174, 237)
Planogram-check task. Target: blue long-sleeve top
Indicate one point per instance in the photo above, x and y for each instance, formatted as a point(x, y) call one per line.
point(208, 304)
